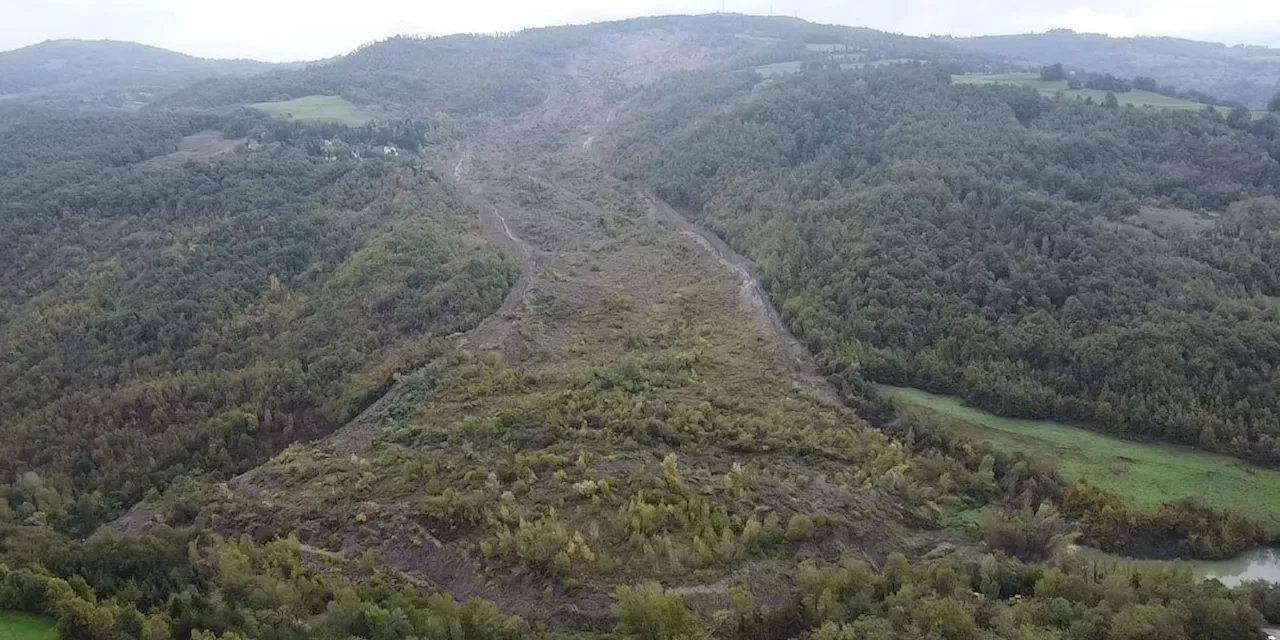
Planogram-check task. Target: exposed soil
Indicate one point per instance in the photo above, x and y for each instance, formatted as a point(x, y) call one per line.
point(754, 301)
point(542, 199)
point(590, 271)
point(492, 333)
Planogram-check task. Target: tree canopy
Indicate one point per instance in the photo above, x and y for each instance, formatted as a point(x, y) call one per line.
point(1111, 267)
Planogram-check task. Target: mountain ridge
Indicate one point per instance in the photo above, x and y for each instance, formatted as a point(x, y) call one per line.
point(67, 65)
point(1248, 74)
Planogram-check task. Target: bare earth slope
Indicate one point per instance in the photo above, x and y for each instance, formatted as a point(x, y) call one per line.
point(635, 411)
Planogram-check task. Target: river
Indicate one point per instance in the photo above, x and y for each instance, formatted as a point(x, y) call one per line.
point(1259, 564)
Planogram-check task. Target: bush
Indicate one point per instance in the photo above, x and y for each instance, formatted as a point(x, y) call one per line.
point(648, 612)
point(800, 528)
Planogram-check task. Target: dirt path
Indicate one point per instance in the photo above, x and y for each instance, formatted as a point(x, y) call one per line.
point(491, 334)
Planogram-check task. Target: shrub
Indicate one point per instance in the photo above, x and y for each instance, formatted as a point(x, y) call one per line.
point(648, 612)
point(800, 528)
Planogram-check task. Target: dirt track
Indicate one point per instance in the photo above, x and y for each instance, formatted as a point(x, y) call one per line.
point(492, 332)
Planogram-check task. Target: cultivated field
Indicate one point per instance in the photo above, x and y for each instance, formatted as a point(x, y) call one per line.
point(317, 109)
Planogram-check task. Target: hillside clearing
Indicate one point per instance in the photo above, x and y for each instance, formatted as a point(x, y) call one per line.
point(1181, 218)
point(1059, 87)
point(196, 147)
point(1144, 475)
point(316, 109)
point(779, 68)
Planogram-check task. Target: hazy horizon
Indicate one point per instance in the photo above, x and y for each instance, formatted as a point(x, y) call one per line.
point(291, 30)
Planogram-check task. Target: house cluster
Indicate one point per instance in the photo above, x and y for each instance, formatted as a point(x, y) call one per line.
point(334, 149)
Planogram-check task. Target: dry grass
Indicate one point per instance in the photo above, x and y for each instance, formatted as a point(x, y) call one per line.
point(198, 147)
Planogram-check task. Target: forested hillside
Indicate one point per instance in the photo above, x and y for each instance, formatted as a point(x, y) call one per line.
point(508, 74)
point(166, 319)
point(1249, 75)
point(85, 66)
point(65, 78)
point(992, 243)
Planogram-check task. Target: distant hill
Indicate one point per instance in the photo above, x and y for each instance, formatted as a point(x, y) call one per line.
point(1245, 74)
point(89, 66)
point(59, 78)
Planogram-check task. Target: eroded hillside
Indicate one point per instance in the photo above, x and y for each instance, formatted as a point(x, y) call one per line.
point(610, 429)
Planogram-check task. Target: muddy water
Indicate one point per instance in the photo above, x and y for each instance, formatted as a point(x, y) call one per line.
point(1259, 564)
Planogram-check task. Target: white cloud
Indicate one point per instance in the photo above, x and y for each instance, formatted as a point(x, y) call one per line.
point(309, 29)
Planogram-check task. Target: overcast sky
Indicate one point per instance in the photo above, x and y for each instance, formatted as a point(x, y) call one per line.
point(280, 30)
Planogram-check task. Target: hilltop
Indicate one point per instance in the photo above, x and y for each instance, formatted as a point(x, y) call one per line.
point(108, 65)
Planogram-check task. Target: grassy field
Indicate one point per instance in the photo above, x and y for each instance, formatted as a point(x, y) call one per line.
point(22, 626)
point(826, 47)
point(1024, 79)
point(779, 68)
point(850, 62)
point(1135, 98)
point(1142, 474)
point(317, 109)
point(1180, 218)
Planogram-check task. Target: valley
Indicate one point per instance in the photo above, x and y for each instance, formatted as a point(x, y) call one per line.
point(610, 331)
point(632, 413)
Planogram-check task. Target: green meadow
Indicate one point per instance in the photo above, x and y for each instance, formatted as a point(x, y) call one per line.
point(316, 109)
point(1135, 98)
point(23, 626)
point(779, 68)
point(1144, 475)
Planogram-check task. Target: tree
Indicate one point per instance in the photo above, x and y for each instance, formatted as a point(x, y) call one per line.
point(1053, 72)
point(1110, 101)
point(945, 619)
point(1145, 83)
point(1274, 105)
point(1239, 117)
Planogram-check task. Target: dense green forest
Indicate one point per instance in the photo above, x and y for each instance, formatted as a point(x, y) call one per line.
point(994, 244)
point(161, 320)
